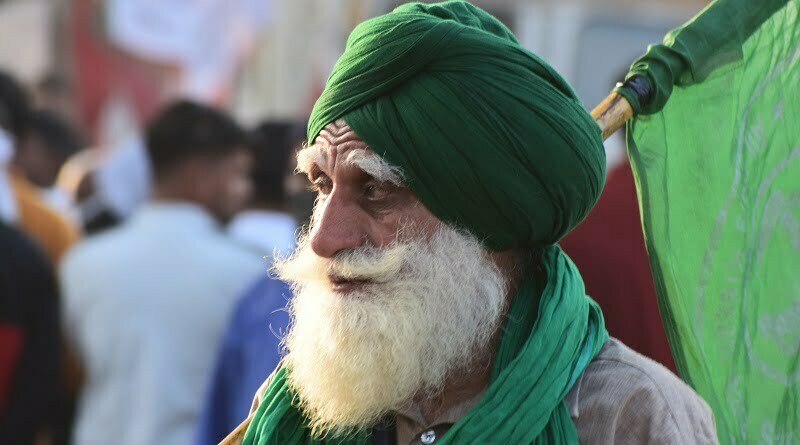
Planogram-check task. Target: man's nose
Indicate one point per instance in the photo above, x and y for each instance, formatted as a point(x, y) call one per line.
point(336, 227)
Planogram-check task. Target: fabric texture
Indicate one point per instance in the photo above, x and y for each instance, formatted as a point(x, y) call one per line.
point(621, 397)
point(625, 398)
point(552, 332)
point(146, 305)
point(717, 170)
point(690, 53)
point(491, 138)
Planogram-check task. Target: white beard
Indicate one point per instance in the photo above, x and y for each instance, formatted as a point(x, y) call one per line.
point(432, 307)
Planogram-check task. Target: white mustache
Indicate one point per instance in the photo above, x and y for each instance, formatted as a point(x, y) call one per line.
point(370, 263)
point(367, 263)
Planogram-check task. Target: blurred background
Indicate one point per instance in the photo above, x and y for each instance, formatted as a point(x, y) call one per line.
point(95, 73)
point(107, 65)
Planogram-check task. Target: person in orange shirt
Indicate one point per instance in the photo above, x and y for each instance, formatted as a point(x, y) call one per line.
point(22, 205)
point(53, 233)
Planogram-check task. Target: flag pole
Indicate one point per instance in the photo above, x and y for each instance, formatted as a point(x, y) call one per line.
point(616, 109)
point(612, 113)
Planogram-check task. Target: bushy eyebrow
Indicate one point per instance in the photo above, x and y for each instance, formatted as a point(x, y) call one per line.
point(369, 162)
point(307, 157)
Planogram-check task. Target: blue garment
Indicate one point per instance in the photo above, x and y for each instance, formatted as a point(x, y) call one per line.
point(250, 352)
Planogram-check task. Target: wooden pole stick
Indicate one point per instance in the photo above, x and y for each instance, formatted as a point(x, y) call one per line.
point(612, 113)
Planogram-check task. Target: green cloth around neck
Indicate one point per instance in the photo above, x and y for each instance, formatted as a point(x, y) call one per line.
point(490, 137)
point(551, 333)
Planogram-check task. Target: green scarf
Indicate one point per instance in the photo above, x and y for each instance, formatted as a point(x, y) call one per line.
point(549, 337)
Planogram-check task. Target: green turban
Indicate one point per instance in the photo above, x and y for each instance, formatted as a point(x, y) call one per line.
point(489, 136)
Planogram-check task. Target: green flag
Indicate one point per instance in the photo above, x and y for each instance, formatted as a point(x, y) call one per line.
point(716, 155)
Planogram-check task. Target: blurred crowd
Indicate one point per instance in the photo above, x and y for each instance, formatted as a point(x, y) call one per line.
point(111, 324)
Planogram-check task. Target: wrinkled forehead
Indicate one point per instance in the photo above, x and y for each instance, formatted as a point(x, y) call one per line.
point(337, 143)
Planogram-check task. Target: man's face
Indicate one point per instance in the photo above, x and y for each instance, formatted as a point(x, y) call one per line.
point(226, 185)
point(353, 206)
point(388, 300)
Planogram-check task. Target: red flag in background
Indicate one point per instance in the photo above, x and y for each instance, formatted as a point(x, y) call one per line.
point(609, 250)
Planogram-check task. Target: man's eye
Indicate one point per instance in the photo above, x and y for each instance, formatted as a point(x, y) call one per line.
point(322, 184)
point(377, 191)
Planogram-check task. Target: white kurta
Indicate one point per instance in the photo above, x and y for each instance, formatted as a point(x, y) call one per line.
point(146, 305)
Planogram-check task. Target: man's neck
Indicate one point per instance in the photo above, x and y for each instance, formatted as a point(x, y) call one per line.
point(457, 389)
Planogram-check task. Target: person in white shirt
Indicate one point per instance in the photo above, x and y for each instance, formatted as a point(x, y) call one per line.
point(267, 226)
point(145, 303)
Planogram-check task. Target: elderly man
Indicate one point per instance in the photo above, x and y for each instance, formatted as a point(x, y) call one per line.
point(432, 304)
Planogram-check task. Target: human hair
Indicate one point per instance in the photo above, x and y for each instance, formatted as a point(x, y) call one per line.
point(14, 105)
point(57, 136)
point(272, 144)
point(368, 161)
point(186, 130)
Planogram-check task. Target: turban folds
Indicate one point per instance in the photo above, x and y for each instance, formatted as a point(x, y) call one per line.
point(489, 136)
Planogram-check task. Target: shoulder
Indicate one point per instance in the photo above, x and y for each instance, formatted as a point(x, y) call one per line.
point(49, 228)
point(90, 249)
point(623, 396)
point(229, 250)
point(230, 268)
point(81, 269)
point(267, 295)
point(261, 313)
